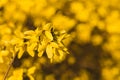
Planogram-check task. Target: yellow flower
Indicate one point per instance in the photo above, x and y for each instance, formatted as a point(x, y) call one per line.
point(56, 52)
point(21, 51)
point(17, 75)
point(3, 53)
point(30, 48)
point(30, 72)
point(1, 58)
point(49, 51)
point(49, 35)
point(41, 48)
point(32, 38)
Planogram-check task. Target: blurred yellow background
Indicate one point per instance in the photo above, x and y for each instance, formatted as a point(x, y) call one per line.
point(94, 42)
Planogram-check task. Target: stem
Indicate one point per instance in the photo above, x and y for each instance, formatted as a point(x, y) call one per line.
point(9, 67)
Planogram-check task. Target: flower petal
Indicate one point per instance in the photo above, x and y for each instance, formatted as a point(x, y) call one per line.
point(20, 53)
point(40, 53)
point(49, 51)
point(48, 35)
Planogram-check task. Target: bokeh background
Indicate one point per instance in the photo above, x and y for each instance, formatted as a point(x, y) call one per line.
point(94, 42)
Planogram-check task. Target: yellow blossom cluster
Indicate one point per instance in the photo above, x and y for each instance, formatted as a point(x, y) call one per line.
point(42, 39)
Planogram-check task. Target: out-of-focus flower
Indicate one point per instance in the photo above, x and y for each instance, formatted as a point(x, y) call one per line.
point(31, 71)
point(17, 75)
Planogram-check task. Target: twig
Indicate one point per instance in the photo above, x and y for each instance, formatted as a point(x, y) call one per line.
point(9, 67)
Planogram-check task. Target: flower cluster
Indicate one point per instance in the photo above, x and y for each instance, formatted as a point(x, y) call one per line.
point(37, 42)
point(45, 39)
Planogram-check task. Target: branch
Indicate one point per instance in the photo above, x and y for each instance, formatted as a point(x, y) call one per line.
point(9, 67)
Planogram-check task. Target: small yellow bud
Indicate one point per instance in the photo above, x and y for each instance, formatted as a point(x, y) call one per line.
point(40, 53)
